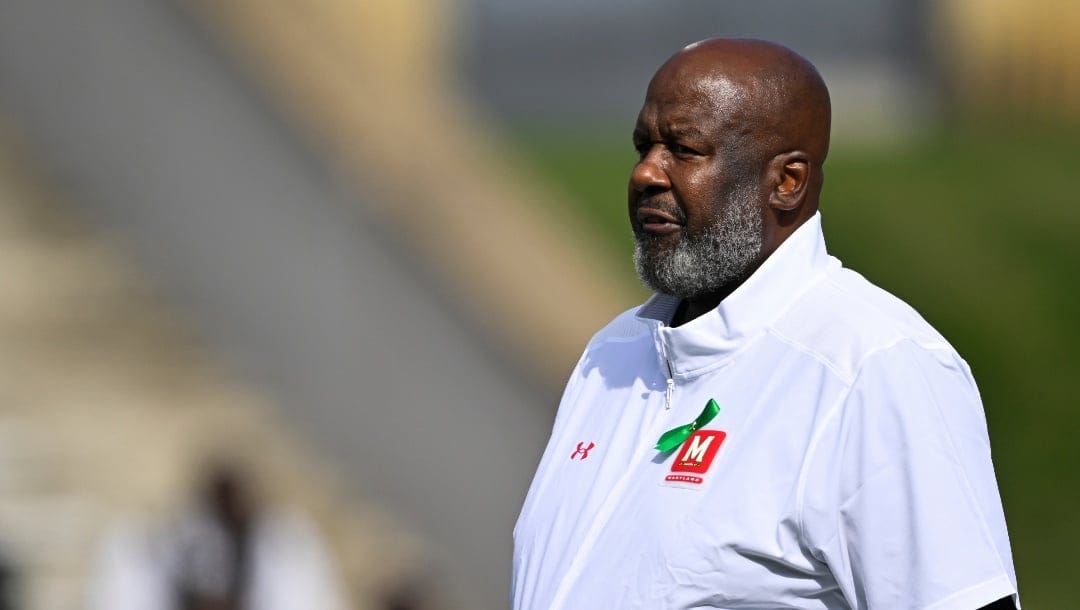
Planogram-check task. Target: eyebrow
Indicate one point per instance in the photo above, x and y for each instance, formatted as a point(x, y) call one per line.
point(685, 131)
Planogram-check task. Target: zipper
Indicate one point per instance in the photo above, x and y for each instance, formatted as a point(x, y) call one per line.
point(669, 393)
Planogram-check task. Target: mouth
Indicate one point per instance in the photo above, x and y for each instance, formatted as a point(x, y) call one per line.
point(658, 222)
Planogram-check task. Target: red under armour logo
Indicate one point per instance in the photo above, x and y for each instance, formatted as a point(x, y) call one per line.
point(582, 450)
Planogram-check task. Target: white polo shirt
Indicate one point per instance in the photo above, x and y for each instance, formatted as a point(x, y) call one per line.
point(848, 467)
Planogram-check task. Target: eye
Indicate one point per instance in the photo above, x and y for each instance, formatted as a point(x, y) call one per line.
point(682, 150)
point(642, 147)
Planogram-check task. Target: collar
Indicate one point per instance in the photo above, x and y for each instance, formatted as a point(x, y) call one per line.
point(708, 340)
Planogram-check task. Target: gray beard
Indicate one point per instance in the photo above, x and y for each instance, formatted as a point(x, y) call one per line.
point(705, 263)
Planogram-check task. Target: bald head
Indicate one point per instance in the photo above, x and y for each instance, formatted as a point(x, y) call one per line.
point(732, 138)
point(770, 96)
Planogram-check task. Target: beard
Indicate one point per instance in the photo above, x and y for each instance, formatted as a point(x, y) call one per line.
point(704, 263)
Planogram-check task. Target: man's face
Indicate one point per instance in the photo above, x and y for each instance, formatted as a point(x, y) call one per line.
point(695, 198)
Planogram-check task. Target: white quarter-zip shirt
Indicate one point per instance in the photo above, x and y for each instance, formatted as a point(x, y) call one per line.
point(848, 466)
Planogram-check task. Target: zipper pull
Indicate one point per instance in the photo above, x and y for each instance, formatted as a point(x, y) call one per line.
point(668, 394)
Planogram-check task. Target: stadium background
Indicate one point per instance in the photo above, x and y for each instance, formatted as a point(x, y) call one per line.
point(355, 246)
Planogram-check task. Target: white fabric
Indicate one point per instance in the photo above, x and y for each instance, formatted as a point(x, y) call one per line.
point(855, 471)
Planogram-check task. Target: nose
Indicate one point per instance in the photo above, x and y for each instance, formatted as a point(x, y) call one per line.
point(648, 173)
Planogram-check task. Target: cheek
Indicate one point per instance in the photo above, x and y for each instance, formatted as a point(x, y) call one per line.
point(704, 199)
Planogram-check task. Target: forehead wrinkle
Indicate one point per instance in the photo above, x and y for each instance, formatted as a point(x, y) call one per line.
point(688, 87)
point(726, 93)
point(745, 106)
point(704, 106)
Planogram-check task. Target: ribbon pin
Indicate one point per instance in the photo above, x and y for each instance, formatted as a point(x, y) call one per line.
point(676, 436)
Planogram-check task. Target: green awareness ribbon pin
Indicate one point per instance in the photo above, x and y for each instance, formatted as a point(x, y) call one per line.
point(675, 437)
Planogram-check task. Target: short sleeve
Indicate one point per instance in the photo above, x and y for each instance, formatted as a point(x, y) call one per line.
point(904, 509)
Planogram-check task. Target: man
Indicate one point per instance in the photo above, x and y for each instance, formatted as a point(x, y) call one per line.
point(769, 430)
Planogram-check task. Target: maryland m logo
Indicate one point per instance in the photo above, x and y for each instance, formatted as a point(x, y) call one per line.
point(697, 453)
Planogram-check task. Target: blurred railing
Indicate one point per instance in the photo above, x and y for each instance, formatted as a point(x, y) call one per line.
point(369, 83)
point(108, 409)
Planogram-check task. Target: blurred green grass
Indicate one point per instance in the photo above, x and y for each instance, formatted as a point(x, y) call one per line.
point(976, 226)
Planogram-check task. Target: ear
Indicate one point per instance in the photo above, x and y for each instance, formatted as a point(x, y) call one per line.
point(790, 173)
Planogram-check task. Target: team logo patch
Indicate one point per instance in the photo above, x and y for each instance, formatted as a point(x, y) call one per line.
point(694, 457)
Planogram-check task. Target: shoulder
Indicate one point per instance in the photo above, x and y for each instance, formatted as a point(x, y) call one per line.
point(625, 326)
point(615, 347)
point(843, 320)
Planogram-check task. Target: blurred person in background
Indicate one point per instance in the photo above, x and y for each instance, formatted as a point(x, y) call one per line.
point(841, 459)
point(228, 552)
point(8, 583)
point(215, 545)
point(413, 593)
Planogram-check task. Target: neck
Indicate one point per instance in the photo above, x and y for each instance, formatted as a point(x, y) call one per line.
point(690, 309)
